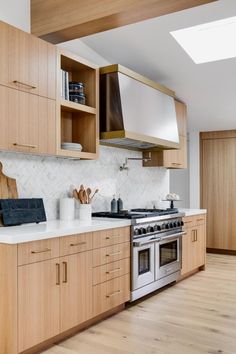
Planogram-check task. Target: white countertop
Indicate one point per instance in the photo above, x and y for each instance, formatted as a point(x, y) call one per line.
point(190, 212)
point(56, 228)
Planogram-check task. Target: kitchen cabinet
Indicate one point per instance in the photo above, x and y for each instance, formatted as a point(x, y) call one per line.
point(38, 303)
point(193, 243)
point(76, 290)
point(27, 63)
point(174, 159)
point(55, 285)
point(28, 121)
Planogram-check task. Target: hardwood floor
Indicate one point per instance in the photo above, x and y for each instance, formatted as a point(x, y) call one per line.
point(196, 316)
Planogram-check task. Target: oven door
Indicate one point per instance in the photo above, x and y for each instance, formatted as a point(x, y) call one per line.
point(168, 256)
point(143, 265)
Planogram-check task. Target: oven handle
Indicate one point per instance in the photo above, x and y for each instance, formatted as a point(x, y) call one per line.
point(158, 239)
point(179, 234)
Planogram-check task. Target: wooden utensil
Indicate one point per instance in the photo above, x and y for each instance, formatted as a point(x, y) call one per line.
point(81, 196)
point(89, 191)
point(75, 194)
point(8, 187)
point(85, 197)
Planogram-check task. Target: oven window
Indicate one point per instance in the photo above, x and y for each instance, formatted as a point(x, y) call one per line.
point(168, 253)
point(144, 261)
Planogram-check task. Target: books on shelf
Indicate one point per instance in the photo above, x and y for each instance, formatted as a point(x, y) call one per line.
point(64, 84)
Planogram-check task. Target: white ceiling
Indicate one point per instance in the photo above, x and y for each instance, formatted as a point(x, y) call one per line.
point(148, 48)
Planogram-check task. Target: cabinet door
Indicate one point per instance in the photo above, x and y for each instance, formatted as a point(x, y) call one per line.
point(46, 126)
point(4, 43)
point(38, 303)
point(4, 93)
point(200, 246)
point(188, 249)
point(76, 289)
point(177, 158)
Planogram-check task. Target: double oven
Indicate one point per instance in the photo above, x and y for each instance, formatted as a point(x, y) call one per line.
point(156, 253)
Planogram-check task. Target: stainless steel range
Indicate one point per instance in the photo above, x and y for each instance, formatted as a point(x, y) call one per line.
point(156, 248)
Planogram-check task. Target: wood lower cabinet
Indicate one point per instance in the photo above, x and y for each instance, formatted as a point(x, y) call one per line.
point(51, 286)
point(38, 303)
point(76, 290)
point(193, 243)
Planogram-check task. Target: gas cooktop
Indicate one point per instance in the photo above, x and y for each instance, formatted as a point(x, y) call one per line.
point(136, 213)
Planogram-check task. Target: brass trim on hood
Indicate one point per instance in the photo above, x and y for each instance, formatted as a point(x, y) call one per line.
point(121, 69)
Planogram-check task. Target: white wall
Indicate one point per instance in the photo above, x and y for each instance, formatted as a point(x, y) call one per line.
point(194, 169)
point(16, 13)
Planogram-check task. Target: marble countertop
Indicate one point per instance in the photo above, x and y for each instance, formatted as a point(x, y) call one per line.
point(56, 228)
point(190, 212)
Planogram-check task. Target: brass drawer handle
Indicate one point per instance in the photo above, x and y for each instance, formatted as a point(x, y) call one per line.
point(114, 294)
point(176, 164)
point(113, 271)
point(24, 84)
point(113, 254)
point(77, 244)
point(26, 145)
point(57, 274)
point(109, 238)
point(188, 222)
point(200, 219)
point(64, 272)
point(41, 251)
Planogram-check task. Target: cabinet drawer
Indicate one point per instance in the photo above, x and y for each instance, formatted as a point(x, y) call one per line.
point(75, 243)
point(37, 251)
point(111, 237)
point(111, 254)
point(195, 220)
point(111, 294)
point(110, 271)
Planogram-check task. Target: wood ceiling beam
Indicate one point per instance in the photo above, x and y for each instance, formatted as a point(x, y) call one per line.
point(62, 20)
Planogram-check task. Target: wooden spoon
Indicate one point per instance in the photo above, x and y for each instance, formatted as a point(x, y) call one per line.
point(81, 196)
point(75, 194)
point(96, 191)
point(85, 197)
point(89, 191)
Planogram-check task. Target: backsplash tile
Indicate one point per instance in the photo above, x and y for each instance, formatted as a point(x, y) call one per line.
point(50, 178)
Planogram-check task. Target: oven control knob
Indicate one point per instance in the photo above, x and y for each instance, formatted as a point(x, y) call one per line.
point(182, 223)
point(167, 226)
point(150, 229)
point(156, 228)
point(143, 230)
point(136, 232)
point(178, 223)
point(174, 224)
point(171, 225)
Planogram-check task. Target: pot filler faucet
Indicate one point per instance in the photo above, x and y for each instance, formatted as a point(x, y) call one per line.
point(124, 166)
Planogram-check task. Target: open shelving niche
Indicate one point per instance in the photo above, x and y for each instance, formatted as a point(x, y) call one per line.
point(78, 123)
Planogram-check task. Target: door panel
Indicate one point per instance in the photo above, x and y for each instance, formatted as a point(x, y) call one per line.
point(38, 303)
point(219, 191)
point(76, 289)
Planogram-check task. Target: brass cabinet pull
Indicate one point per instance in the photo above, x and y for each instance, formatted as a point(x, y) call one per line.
point(24, 84)
point(113, 271)
point(200, 219)
point(188, 222)
point(115, 293)
point(175, 163)
point(41, 251)
point(78, 244)
point(26, 145)
point(113, 254)
point(109, 238)
point(196, 235)
point(64, 272)
point(193, 235)
point(58, 274)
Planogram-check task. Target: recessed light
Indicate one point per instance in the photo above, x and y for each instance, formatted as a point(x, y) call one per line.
point(209, 41)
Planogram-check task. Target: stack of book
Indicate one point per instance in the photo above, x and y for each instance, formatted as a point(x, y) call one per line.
point(64, 85)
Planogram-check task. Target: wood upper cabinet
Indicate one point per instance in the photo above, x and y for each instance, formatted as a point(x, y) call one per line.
point(27, 63)
point(76, 289)
point(172, 158)
point(28, 122)
point(193, 243)
point(38, 303)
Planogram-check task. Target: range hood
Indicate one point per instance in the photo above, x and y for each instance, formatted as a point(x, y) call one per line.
point(136, 113)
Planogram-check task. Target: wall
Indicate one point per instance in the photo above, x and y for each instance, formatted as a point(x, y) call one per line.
point(194, 169)
point(16, 13)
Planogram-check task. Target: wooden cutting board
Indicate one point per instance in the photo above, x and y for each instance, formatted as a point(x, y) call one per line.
point(8, 188)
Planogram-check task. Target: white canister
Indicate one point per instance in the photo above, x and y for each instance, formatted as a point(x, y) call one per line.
point(67, 209)
point(85, 212)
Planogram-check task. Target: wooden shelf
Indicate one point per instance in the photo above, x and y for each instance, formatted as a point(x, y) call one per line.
point(70, 106)
point(78, 154)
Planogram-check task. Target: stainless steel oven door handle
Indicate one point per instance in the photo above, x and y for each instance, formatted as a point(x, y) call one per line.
point(152, 240)
point(172, 236)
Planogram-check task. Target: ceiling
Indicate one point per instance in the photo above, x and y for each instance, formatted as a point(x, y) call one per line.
point(147, 47)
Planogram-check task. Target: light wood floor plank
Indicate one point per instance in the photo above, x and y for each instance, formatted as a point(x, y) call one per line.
point(195, 316)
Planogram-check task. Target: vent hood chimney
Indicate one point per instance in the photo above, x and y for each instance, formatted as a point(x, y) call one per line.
point(135, 112)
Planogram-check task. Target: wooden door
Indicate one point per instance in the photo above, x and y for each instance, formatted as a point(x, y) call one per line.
point(200, 246)
point(186, 252)
point(38, 303)
point(218, 188)
point(76, 289)
point(46, 126)
point(4, 43)
point(4, 93)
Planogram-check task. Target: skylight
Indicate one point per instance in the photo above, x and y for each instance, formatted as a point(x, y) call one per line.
point(210, 41)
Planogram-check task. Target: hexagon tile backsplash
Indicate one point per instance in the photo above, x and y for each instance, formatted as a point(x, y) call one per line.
point(50, 178)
